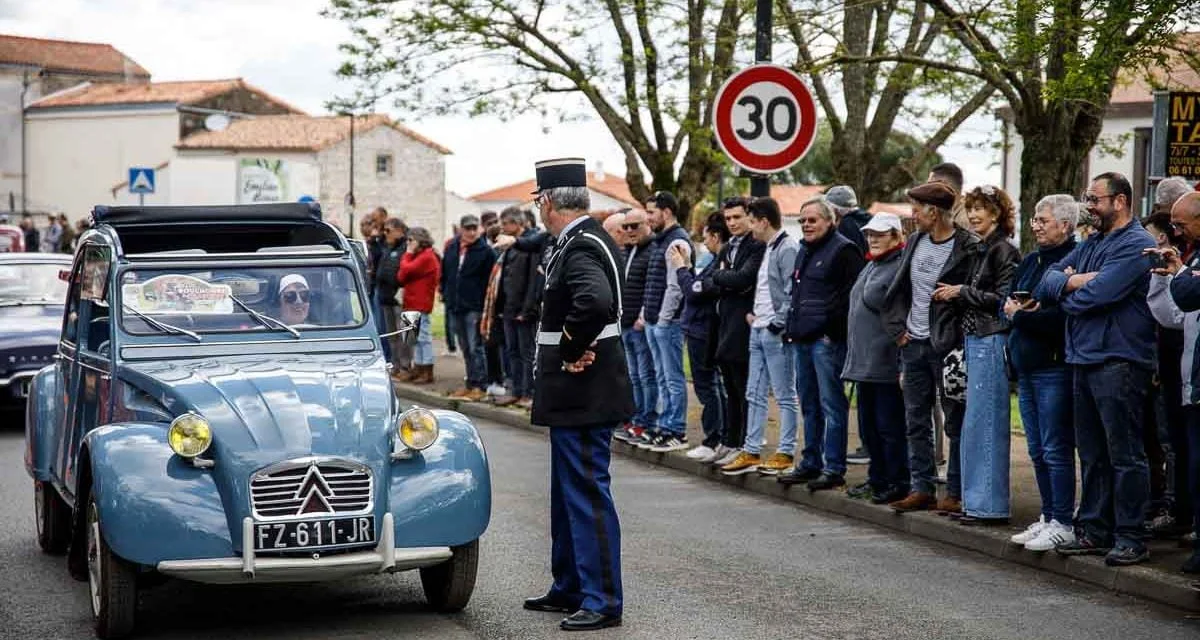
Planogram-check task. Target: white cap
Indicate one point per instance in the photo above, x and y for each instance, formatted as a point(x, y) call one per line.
point(883, 223)
point(290, 279)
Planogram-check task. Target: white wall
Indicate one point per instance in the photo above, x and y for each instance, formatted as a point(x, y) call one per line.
point(456, 207)
point(77, 157)
point(203, 179)
point(1111, 132)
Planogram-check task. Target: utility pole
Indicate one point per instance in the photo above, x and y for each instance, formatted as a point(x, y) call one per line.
point(760, 185)
point(350, 194)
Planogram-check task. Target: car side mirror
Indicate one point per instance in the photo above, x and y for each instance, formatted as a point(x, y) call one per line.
point(410, 325)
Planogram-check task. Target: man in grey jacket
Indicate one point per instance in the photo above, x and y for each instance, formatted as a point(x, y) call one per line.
point(772, 361)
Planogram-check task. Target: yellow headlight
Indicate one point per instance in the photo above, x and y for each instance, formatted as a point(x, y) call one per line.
point(418, 429)
point(190, 435)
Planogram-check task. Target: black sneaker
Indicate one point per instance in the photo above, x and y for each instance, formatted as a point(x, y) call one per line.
point(1124, 555)
point(863, 491)
point(892, 494)
point(670, 442)
point(654, 440)
point(644, 441)
point(797, 475)
point(1082, 546)
point(860, 456)
point(826, 480)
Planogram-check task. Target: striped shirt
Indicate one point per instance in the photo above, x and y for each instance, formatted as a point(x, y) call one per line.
point(928, 259)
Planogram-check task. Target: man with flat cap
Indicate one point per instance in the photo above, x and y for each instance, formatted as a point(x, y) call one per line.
point(582, 392)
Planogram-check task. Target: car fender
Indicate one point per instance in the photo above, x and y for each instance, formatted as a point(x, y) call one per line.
point(443, 495)
point(153, 505)
point(42, 416)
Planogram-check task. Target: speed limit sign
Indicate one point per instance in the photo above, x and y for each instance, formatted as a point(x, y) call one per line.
point(765, 118)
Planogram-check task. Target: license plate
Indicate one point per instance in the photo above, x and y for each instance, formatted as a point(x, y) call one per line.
point(314, 534)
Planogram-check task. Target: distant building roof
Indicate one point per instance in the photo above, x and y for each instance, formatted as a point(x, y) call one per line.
point(65, 55)
point(295, 133)
point(615, 187)
point(183, 92)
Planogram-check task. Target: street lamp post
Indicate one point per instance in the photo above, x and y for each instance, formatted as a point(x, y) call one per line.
point(350, 193)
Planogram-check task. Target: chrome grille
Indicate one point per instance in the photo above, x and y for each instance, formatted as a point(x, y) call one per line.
point(311, 487)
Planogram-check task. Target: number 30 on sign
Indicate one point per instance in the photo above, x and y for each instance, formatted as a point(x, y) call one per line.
point(764, 118)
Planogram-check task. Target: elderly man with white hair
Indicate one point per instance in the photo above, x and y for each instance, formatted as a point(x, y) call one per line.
point(1169, 191)
point(1037, 346)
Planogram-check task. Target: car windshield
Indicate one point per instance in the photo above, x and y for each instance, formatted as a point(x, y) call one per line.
point(285, 300)
point(32, 283)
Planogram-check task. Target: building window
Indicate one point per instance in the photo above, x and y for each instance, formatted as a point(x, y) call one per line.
point(383, 164)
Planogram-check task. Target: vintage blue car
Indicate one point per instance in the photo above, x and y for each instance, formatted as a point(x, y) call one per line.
point(31, 312)
point(220, 411)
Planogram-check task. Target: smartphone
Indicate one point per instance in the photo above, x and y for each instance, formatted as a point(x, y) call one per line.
point(1157, 261)
point(1022, 296)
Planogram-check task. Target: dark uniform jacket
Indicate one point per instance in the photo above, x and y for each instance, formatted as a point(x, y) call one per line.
point(582, 299)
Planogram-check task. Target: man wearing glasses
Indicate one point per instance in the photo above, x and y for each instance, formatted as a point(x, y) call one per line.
point(1102, 286)
point(638, 241)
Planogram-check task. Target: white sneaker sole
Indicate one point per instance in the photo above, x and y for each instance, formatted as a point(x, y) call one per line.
point(669, 449)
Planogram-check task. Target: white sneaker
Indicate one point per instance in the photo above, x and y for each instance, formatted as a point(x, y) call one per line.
point(1030, 532)
point(720, 452)
point(496, 390)
point(729, 457)
point(1052, 535)
point(701, 452)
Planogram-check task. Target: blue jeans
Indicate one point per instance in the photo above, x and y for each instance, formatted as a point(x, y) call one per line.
point(474, 354)
point(381, 325)
point(423, 349)
point(771, 365)
point(451, 332)
point(709, 390)
point(666, 348)
point(985, 440)
point(639, 361)
point(881, 423)
point(1109, 402)
point(519, 347)
point(1045, 403)
point(824, 404)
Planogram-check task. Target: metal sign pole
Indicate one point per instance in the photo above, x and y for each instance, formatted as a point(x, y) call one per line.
point(760, 185)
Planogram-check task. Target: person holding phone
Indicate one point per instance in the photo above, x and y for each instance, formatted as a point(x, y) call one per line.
point(1037, 348)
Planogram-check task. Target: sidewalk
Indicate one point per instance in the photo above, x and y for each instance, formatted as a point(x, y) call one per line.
point(1158, 580)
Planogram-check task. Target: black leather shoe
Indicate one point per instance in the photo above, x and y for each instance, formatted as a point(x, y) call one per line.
point(797, 475)
point(547, 603)
point(584, 620)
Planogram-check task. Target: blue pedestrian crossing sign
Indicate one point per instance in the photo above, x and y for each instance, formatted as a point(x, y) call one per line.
point(141, 180)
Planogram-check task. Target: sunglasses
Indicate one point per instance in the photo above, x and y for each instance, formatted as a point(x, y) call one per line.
point(295, 297)
point(631, 226)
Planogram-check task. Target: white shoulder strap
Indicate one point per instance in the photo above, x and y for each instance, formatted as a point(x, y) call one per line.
point(613, 263)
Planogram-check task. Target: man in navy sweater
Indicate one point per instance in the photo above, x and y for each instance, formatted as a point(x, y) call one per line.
point(1102, 286)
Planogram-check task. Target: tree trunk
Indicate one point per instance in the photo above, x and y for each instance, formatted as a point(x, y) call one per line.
point(1056, 145)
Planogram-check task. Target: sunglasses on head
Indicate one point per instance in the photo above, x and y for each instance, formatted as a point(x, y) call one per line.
point(295, 297)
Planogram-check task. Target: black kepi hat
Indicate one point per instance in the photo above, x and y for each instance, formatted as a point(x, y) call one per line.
point(560, 172)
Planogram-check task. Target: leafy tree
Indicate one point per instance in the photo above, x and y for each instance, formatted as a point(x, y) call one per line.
point(647, 68)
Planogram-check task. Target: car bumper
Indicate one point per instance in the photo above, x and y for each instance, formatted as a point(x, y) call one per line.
point(384, 558)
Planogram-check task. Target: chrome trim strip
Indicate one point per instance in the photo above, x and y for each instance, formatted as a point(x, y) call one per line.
point(20, 375)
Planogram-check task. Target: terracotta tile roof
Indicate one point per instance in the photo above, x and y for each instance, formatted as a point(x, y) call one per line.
point(64, 55)
point(610, 185)
point(295, 133)
point(1175, 73)
point(183, 92)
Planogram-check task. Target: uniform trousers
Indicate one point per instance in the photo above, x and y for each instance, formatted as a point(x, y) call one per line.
point(585, 557)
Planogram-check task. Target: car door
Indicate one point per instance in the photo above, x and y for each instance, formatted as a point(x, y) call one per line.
point(66, 367)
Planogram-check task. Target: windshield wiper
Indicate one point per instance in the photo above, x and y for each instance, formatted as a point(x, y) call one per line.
point(264, 319)
point(162, 326)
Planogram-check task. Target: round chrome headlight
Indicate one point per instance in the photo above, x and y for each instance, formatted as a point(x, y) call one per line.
point(190, 435)
point(417, 428)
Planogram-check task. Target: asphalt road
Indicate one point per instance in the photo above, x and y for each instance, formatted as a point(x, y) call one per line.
point(701, 561)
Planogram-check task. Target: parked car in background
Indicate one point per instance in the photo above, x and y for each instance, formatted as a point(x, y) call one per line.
point(32, 294)
point(12, 239)
point(220, 411)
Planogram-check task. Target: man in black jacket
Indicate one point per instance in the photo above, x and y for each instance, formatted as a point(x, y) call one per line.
point(465, 270)
point(633, 332)
point(392, 247)
point(581, 391)
point(518, 303)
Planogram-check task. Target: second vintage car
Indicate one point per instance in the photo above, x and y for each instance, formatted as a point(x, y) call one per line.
point(31, 313)
point(220, 411)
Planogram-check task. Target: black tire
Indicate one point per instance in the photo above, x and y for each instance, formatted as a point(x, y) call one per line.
point(111, 580)
point(448, 586)
point(53, 518)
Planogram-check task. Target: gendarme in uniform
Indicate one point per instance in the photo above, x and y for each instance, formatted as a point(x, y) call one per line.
point(582, 392)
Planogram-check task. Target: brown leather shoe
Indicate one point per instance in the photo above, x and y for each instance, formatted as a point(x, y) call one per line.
point(948, 506)
point(424, 374)
point(915, 501)
point(460, 393)
point(475, 395)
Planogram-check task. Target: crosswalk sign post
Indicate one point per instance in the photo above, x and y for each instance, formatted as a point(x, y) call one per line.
point(141, 182)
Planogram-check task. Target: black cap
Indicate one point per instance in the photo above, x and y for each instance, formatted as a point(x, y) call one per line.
point(469, 220)
point(560, 172)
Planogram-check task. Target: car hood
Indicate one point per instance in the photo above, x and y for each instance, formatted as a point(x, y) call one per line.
point(267, 409)
point(30, 325)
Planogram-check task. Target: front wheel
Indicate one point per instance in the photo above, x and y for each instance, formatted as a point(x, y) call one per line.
point(53, 518)
point(112, 581)
point(448, 586)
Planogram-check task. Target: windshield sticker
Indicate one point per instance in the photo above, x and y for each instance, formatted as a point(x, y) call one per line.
point(175, 293)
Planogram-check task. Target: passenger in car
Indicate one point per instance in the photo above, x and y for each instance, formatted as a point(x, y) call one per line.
point(294, 297)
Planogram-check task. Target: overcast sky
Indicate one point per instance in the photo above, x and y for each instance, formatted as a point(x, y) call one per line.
point(286, 48)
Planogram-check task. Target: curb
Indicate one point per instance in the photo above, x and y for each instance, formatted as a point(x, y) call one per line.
point(1139, 581)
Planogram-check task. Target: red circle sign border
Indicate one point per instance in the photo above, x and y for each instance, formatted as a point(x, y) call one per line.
point(723, 119)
